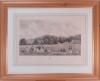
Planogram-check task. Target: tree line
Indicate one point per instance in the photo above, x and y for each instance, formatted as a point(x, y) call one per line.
point(48, 39)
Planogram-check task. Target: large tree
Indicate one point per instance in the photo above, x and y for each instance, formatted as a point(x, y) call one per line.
point(23, 42)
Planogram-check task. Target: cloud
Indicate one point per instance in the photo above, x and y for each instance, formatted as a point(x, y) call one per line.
point(37, 27)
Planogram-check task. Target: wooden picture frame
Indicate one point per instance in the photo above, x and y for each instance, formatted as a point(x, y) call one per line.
point(4, 5)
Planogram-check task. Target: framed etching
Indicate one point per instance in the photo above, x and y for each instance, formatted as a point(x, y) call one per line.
point(49, 41)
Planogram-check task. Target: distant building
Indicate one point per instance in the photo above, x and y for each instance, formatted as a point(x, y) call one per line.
point(76, 41)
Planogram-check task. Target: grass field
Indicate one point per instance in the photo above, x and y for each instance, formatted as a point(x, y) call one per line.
point(50, 50)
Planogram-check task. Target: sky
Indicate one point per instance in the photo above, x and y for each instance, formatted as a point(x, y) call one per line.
point(37, 26)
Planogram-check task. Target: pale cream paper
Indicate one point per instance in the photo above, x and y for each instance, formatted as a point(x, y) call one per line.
point(76, 24)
